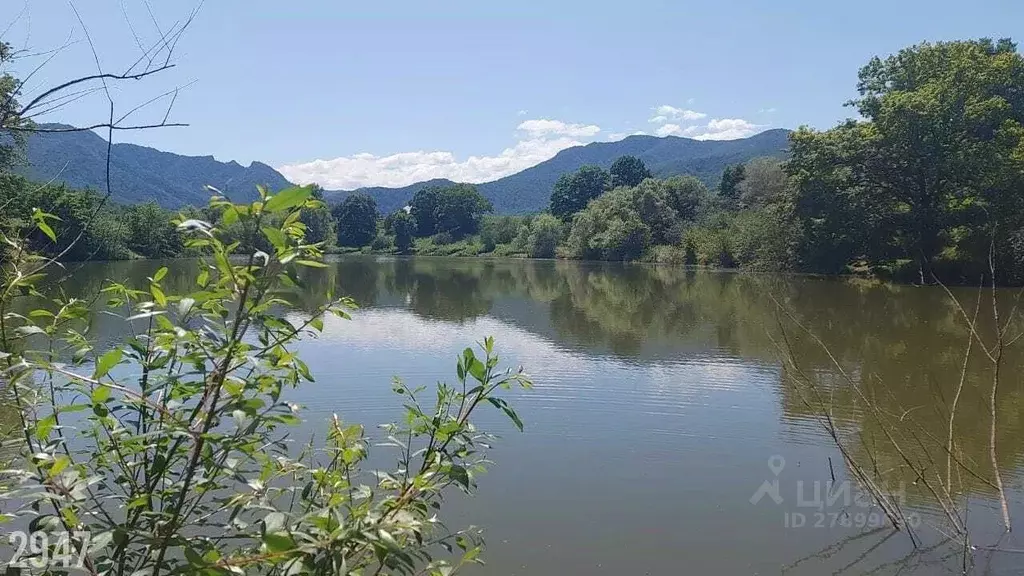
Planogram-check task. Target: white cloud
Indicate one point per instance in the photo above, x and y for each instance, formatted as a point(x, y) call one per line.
point(665, 113)
point(767, 111)
point(522, 113)
point(723, 129)
point(539, 140)
point(669, 130)
point(544, 127)
point(616, 136)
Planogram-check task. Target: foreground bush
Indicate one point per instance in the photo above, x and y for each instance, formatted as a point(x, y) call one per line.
point(168, 453)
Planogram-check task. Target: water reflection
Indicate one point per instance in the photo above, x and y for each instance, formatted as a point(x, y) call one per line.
point(661, 393)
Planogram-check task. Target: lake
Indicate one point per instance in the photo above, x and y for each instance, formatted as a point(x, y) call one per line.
point(667, 432)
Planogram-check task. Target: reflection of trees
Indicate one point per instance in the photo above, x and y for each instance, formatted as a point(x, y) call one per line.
point(903, 348)
point(902, 345)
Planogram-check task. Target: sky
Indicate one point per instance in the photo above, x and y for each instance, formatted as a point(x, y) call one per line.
point(389, 93)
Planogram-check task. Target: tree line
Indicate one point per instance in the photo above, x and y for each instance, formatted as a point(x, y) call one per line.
point(926, 182)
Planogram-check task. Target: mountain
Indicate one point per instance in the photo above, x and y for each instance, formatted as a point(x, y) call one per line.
point(140, 174)
point(529, 190)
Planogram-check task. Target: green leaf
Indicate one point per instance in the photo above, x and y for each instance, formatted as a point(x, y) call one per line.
point(278, 542)
point(160, 274)
point(45, 228)
point(276, 237)
point(288, 198)
point(158, 295)
point(204, 277)
point(311, 263)
point(44, 426)
point(106, 362)
point(100, 394)
point(230, 216)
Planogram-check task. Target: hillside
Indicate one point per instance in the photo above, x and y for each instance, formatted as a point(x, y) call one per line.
point(529, 190)
point(139, 174)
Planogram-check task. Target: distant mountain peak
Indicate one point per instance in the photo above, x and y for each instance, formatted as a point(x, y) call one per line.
point(142, 174)
point(139, 173)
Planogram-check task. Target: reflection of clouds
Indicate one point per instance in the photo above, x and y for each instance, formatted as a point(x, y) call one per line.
point(403, 333)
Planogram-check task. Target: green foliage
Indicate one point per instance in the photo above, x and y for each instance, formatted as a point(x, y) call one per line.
point(403, 227)
point(496, 230)
point(180, 461)
point(628, 171)
point(729, 186)
point(572, 191)
point(545, 233)
point(319, 222)
point(150, 233)
point(356, 218)
point(610, 228)
point(933, 172)
point(455, 210)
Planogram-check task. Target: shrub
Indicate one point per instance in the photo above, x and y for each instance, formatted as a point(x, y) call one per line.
point(545, 233)
point(180, 464)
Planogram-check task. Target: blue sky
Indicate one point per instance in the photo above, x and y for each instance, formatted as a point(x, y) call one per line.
point(392, 92)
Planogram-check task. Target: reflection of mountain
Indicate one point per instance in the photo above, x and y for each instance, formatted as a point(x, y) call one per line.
point(903, 345)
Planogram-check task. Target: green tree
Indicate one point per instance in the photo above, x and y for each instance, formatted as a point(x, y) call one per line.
point(12, 141)
point(652, 204)
point(495, 230)
point(728, 188)
point(184, 465)
point(572, 191)
point(150, 233)
point(628, 171)
point(609, 228)
point(403, 226)
point(545, 233)
point(461, 209)
point(454, 210)
point(765, 181)
point(687, 195)
point(424, 207)
point(357, 220)
point(319, 222)
point(935, 167)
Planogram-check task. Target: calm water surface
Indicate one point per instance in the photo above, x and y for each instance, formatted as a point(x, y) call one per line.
point(662, 405)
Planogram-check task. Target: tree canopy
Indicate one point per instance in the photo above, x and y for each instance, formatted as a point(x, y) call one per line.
point(455, 210)
point(572, 191)
point(357, 220)
point(628, 171)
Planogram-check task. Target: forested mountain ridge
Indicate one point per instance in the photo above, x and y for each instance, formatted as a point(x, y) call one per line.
point(138, 173)
point(530, 190)
point(141, 174)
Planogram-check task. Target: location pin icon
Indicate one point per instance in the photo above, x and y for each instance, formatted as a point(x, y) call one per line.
point(776, 463)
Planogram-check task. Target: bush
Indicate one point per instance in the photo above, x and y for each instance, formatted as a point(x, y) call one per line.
point(496, 230)
point(610, 228)
point(545, 233)
point(182, 466)
point(381, 242)
point(442, 238)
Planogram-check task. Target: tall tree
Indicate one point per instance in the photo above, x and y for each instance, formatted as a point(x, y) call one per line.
point(403, 226)
point(320, 225)
point(455, 209)
point(628, 171)
point(357, 220)
point(938, 159)
point(729, 187)
point(572, 191)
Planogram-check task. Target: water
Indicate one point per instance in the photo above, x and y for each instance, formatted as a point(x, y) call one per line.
point(663, 402)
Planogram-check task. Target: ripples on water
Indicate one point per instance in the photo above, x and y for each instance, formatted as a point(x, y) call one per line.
point(660, 397)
